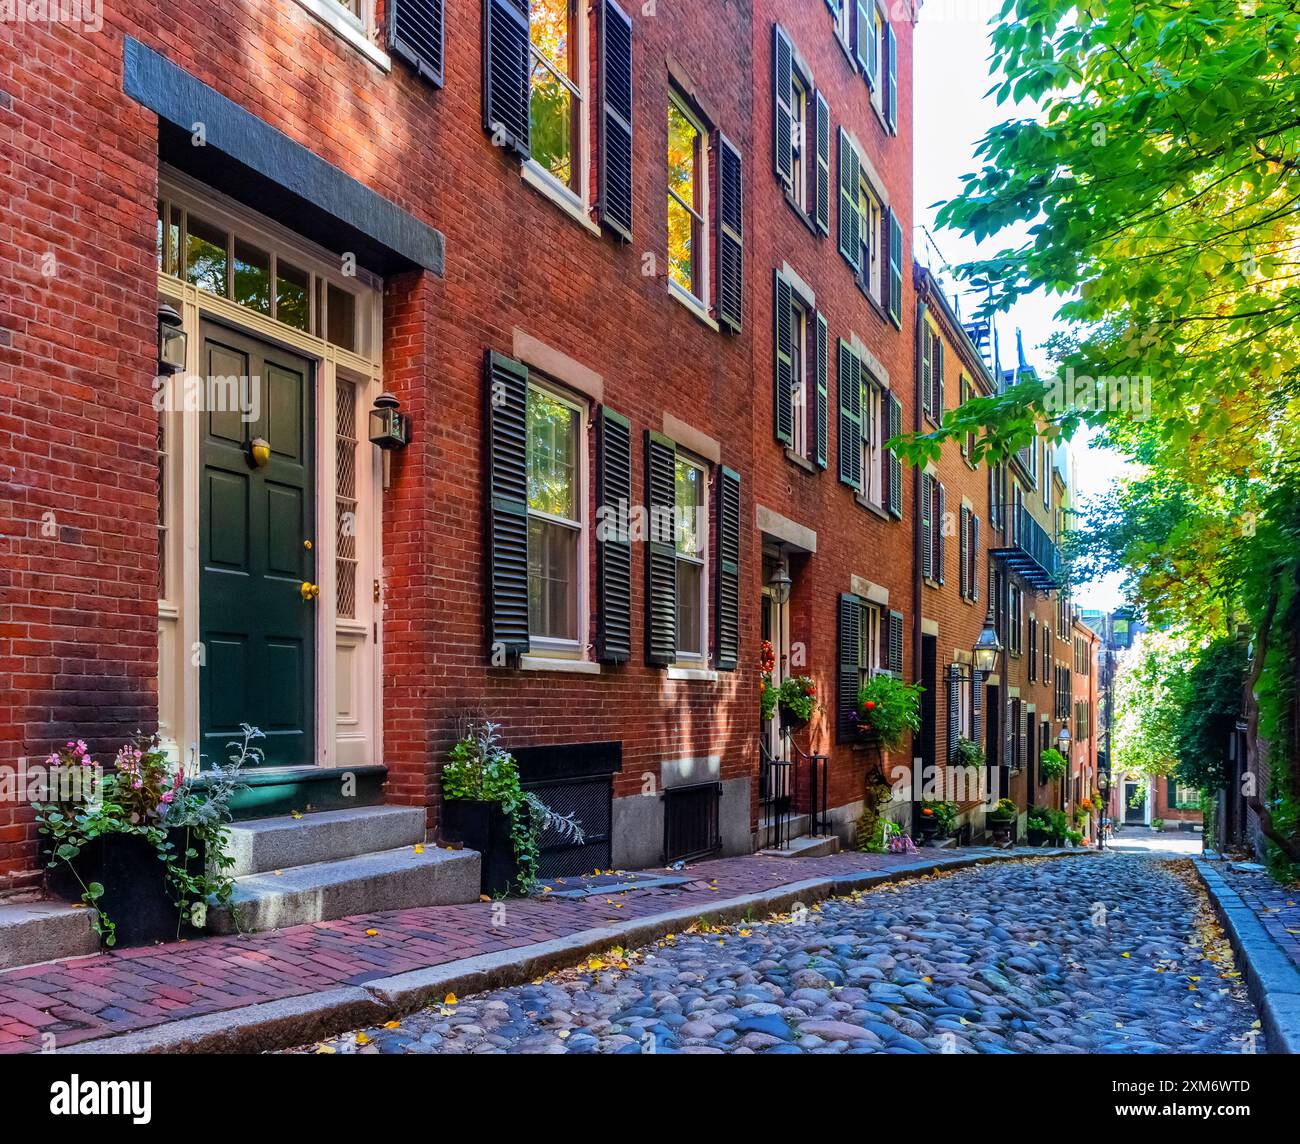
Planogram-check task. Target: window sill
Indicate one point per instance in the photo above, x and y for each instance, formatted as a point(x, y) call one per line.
point(693, 304)
point(872, 300)
point(572, 666)
point(802, 215)
point(333, 18)
point(872, 507)
point(699, 674)
point(932, 583)
point(800, 460)
point(542, 182)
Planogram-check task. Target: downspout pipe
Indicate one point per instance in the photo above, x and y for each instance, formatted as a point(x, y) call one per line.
point(922, 310)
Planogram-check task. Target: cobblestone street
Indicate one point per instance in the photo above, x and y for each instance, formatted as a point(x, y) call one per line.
point(1114, 954)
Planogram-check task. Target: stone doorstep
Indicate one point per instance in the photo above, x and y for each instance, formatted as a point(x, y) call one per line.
point(809, 846)
point(300, 1020)
point(32, 932)
point(362, 884)
point(263, 844)
point(1271, 976)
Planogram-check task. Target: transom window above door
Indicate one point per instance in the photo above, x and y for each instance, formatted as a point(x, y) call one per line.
point(204, 249)
point(557, 116)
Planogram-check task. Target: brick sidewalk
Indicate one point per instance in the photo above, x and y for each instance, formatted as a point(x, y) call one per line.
point(127, 990)
point(1276, 906)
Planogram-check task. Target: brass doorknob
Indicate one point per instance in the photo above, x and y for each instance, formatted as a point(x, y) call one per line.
point(309, 590)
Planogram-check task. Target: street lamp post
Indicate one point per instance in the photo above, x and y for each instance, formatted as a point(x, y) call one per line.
point(1103, 812)
point(986, 652)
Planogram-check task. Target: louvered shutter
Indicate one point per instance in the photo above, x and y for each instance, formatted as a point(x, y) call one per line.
point(415, 35)
point(927, 527)
point(938, 381)
point(505, 73)
point(940, 523)
point(975, 558)
point(823, 392)
point(613, 539)
point(850, 225)
point(976, 705)
point(927, 369)
point(661, 551)
point(1024, 734)
point(895, 463)
point(822, 179)
point(895, 269)
point(783, 359)
point(731, 242)
point(891, 79)
point(873, 54)
point(615, 155)
point(896, 643)
point(849, 429)
point(506, 393)
point(963, 553)
point(782, 104)
point(863, 37)
point(847, 676)
point(954, 709)
point(727, 650)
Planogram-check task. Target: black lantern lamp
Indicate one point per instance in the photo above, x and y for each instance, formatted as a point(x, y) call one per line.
point(1063, 740)
point(390, 428)
point(780, 583)
point(1103, 808)
point(171, 340)
point(988, 647)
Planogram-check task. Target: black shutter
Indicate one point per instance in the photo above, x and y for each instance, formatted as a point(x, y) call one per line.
point(896, 643)
point(849, 430)
point(938, 381)
point(613, 540)
point(782, 103)
point(415, 35)
point(822, 177)
point(895, 269)
point(976, 705)
point(865, 26)
point(891, 79)
point(895, 464)
point(940, 523)
point(727, 652)
point(927, 527)
point(615, 155)
point(783, 361)
point(731, 235)
point(963, 553)
point(954, 709)
point(506, 394)
point(927, 369)
point(1024, 734)
point(823, 393)
point(505, 73)
point(661, 551)
point(847, 680)
point(975, 558)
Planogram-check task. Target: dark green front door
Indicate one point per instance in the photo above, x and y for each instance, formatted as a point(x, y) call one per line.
point(258, 632)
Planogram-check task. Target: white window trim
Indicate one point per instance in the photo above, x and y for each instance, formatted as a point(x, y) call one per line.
point(874, 436)
point(341, 21)
point(694, 674)
point(700, 659)
point(697, 303)
point(547, 663)
point(548, 648)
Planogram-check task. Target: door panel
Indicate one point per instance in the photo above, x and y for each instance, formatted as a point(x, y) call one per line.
point(258, 632)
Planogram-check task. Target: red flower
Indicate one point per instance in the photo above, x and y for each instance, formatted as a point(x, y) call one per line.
point(870, 705)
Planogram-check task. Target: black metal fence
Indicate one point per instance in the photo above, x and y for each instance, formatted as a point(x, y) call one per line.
point(691, 822)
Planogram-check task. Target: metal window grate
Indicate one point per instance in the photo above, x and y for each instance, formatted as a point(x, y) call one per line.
point(691, 827)
point(345, 483)
point(590, 800)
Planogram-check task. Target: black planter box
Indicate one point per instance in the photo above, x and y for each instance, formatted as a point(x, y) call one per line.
point(1037, 836)
point(485, 827)
point(790, 721)
point(137, 897)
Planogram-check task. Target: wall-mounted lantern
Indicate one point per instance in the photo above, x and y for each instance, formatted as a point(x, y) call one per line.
point(171, 340)
point(988, 647)
point(780, 583)
point(390, 428)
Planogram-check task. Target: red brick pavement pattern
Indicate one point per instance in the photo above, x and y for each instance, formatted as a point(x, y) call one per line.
point(1276, 906)
point(121, 991)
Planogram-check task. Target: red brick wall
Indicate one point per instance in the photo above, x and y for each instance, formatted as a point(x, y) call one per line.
point(851, 540)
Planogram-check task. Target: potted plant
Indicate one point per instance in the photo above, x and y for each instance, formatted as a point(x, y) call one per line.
point(1051, 765)
point(929, 826)
point(485, 808)
point(969, 754)
point(888, 711)
point(146, 851)
point(1074, 837)
point(1059, 824)
point(944, 814)
point(1038, 825)
point(797, 700)
point(1000, 818)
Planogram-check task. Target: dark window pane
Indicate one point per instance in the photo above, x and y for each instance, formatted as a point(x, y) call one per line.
point(205, 256)
point(252, 277)
point(292, 295)
point(342, 316)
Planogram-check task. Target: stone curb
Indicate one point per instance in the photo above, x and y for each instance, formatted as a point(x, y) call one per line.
point(1273, 981)
point(315, 1016)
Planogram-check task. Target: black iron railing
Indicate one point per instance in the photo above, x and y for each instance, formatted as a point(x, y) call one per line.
point(1029, 548)
point(812, 773)
point(775, 798)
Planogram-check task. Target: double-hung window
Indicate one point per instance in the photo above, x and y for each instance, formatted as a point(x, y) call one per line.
point(875, 432)
point(1016, 620)
point(556, 512)
point(800, 402)
point(802, 140)
point(882, 54)
point(556, 111)
point(871, 659)
point(688, 243)
point(871, 214)
point(691, 499)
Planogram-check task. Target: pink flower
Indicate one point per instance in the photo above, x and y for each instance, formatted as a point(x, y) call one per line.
point(53, 760)
point(137, 785)
point(166, 798)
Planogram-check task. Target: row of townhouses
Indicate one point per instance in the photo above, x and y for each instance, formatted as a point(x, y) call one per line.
point(354, 352)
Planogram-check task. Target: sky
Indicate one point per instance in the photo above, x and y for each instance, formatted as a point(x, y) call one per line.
point(952, 114)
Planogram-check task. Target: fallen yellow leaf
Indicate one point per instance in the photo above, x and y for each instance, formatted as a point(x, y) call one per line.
point(450, 999)
point(362, 1039)
point(372, 933)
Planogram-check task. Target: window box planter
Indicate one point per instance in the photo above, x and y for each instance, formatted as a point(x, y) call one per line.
point(485, 827)
point(137, 895)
